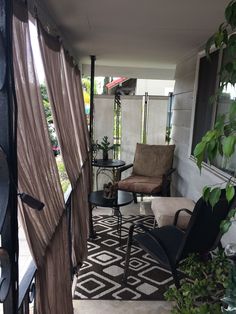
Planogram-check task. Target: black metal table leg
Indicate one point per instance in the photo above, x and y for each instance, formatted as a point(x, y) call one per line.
point(119, 221)
point(92, 233)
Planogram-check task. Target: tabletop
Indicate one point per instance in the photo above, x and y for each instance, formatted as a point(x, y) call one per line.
point(110, 163)
point(124, 198)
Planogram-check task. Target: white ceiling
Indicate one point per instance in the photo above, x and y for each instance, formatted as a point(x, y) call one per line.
point(136, 33)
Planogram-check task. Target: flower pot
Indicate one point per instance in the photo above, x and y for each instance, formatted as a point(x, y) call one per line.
point(105, 155)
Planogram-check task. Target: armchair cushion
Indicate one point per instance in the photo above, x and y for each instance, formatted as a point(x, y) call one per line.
point(152, 160)
point(141, 184)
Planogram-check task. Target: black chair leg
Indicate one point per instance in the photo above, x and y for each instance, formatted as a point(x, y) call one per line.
point(175, 277)
point(127, 257)
point(135, 197)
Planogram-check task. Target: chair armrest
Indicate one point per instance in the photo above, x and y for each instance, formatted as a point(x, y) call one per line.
point(121, 169)
point(178, 212)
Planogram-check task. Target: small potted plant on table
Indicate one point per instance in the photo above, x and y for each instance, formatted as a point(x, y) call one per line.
point(105, 147)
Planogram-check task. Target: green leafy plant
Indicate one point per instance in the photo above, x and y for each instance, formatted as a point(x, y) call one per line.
point(105, 146)
point(230, 294)
point(221, 140)
point(48, 114)
point(204, 286)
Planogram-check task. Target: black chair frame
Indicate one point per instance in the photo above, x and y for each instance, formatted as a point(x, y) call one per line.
point(201, 236)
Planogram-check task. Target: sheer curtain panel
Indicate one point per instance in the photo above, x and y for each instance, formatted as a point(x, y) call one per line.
point(65, 94)
point(46, 230)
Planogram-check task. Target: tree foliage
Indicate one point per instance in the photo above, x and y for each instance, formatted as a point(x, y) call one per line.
point(48, 114)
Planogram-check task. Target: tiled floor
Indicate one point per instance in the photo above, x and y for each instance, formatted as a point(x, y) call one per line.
point(121, 307)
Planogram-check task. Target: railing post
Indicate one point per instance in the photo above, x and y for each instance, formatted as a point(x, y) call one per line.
point(93, 58)
point(9, 231)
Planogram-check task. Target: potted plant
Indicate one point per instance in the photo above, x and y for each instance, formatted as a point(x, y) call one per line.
point(105, 146)
point(203, 287)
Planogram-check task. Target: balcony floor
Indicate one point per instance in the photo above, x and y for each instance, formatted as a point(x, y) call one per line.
point(120, 307)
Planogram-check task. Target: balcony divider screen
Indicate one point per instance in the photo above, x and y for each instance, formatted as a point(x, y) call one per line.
point(46, 230)
point(66, 99)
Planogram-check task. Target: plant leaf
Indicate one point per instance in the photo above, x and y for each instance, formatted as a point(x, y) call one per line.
point(206, 192)
point(214, 196)
point(229, 145)
point(232, 213)
point(225, 225)
point(229, 192)
point(230, 15)
point(199, 149)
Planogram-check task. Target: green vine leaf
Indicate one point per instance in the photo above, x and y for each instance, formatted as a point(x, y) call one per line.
point(214, 196)
point(229, 145)
point(230, 14)
point(225, 225)
point(230, 192)
point(232, 213)
point(206, 193)
point(199, 153)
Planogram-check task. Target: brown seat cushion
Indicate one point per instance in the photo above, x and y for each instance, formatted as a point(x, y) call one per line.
point(152, 160)
point(141, 184)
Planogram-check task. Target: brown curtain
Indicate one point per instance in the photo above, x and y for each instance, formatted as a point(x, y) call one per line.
point(46, 230)
point(65, 94)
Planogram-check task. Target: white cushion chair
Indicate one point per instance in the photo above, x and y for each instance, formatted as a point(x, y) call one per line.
point(165, 208)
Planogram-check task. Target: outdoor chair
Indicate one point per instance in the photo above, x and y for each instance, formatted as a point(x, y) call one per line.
point(169, 244)
point(152, 169)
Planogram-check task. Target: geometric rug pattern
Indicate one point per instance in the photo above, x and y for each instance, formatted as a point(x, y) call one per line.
point(101, 274)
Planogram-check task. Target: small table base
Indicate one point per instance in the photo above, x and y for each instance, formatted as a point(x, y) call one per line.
point(97, 199)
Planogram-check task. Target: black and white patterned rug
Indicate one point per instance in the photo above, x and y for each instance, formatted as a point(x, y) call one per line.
point(100, 277)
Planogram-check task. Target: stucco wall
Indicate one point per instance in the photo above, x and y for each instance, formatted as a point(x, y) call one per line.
point(187, 180)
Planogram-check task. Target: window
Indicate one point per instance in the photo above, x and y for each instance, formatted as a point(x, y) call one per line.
point(207, 109)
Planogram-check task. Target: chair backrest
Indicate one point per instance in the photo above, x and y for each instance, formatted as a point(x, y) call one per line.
point(204, 226)
point(153, 160)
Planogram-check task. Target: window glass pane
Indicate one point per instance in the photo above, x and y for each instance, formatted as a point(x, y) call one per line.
point(207, 78)
point(223, 106)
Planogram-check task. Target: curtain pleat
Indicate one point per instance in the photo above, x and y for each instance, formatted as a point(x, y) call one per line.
point(66, 99)
point(46, 230)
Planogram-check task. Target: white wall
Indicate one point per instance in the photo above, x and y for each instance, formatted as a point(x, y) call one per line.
point(154, 87)
point(187, 180)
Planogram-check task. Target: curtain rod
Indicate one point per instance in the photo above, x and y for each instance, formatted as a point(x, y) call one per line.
point(40, 12)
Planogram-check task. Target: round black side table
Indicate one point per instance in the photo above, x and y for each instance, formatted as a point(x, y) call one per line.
point(107, 167)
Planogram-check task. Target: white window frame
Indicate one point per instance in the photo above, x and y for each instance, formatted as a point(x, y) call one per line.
point(212, 169)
